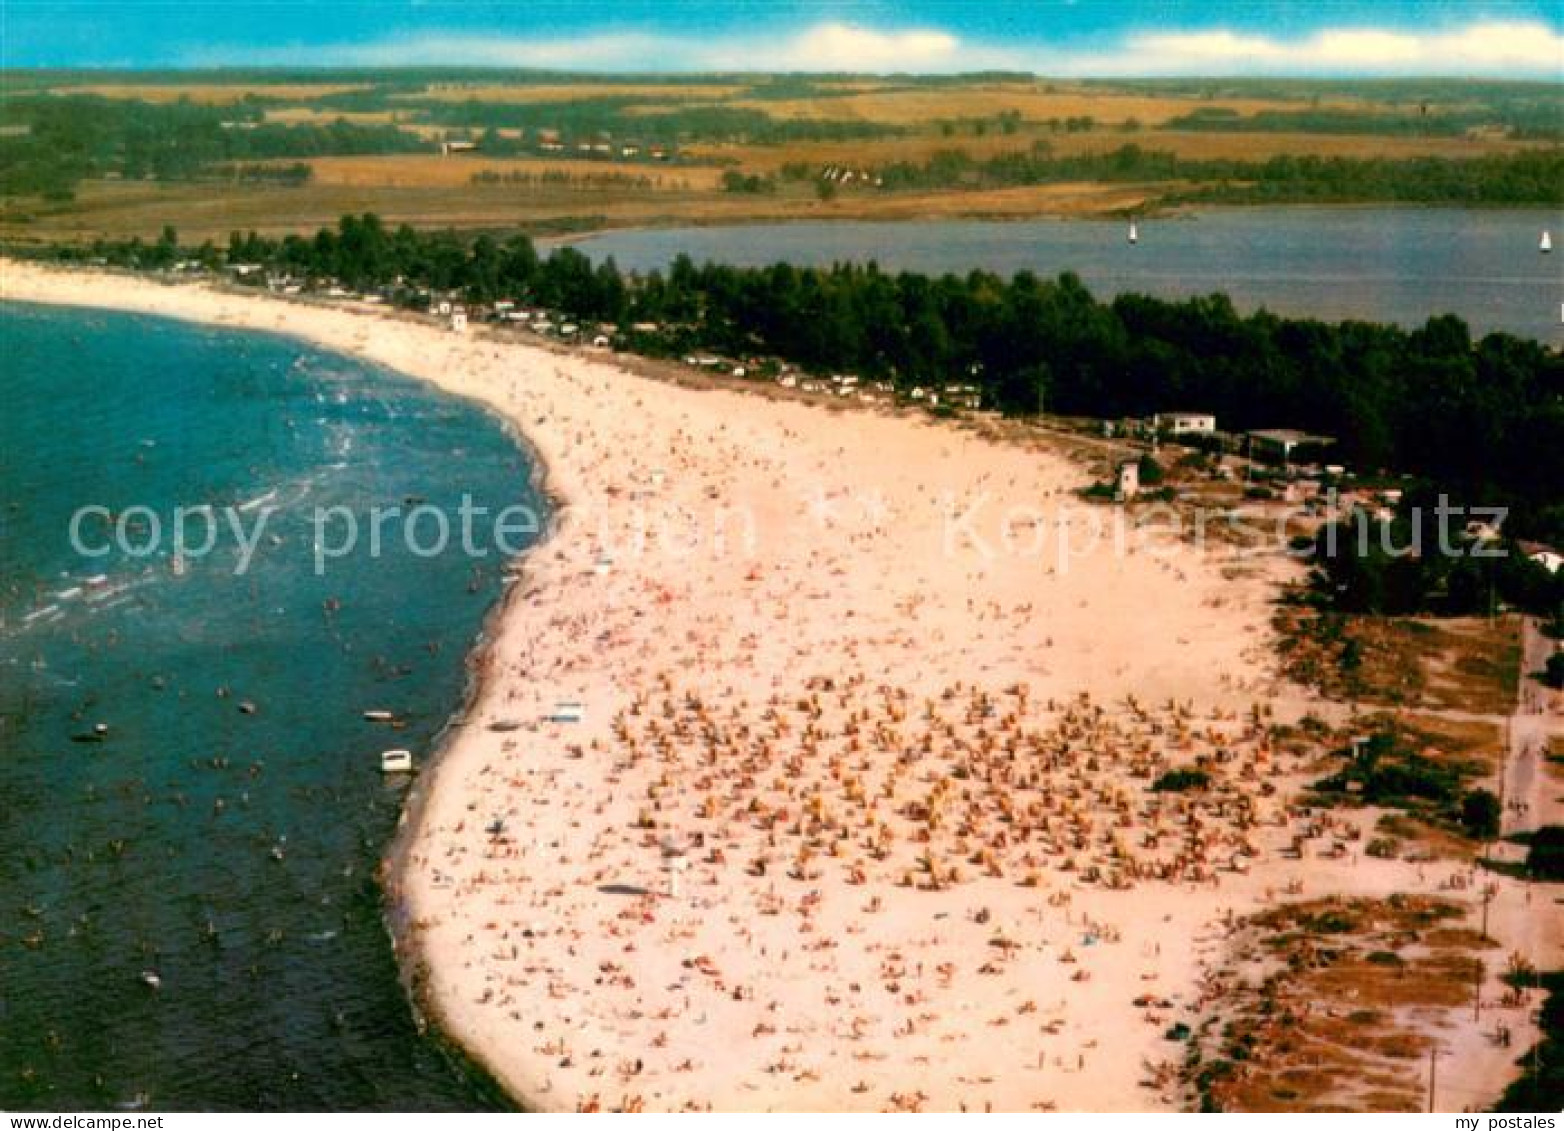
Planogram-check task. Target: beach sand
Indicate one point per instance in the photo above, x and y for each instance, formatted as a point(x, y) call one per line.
point(857, 812)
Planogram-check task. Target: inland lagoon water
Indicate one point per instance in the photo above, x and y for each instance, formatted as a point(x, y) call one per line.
point(189, 910)
point(1398, 265)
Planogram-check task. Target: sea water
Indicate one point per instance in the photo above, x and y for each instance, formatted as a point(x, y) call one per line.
point(191, 809)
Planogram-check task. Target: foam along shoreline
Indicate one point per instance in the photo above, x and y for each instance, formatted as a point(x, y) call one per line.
point(762, 856)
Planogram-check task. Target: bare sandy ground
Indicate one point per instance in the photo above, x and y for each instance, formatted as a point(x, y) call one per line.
point(857, 812)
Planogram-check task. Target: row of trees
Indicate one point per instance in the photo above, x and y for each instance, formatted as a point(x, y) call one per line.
point(1538, 120)
point(1525, 177)
point(630, 117)
point(61, 140)
point(1389, 572)
point(563, 178)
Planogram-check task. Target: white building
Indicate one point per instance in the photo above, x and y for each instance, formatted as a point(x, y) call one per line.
point(1184, 423)
point(1545, 556)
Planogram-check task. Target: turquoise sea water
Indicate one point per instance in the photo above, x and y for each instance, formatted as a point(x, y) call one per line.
point(225, 833)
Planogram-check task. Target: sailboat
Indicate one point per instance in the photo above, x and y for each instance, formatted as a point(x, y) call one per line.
point(1547, 243)
point(1134, 233)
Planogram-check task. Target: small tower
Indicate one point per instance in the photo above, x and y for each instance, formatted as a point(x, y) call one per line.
point(1128, 485)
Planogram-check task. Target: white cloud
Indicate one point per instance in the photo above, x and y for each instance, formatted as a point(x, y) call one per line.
point(1500, 49)
point(843, 47)
point(823, 47)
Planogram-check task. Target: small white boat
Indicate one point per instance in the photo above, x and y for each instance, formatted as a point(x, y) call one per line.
point(151, 980)
point(396, 762)
point(378, 716)
point(1547, 243)
point(1134, 233)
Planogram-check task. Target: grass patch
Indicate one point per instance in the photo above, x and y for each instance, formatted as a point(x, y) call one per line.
point(1465, 663)
point(1424, 767)
point(1323, 1021)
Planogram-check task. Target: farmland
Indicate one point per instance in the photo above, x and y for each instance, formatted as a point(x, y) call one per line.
point(547, 152)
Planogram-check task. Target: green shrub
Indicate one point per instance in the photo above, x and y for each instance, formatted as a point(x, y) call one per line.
point(1553, 672)
point(1480, 812)
point(1177, 781)
point(1545, 860)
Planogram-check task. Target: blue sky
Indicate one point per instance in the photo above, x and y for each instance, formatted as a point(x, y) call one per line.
point(1503, 38)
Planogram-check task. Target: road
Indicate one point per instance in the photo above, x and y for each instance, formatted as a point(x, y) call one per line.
point(1533, 791)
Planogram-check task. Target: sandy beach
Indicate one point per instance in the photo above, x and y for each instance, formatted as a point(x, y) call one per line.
point(856, 813)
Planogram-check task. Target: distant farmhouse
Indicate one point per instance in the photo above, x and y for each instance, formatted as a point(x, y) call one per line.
point(1545, 556)
point(1283, 444)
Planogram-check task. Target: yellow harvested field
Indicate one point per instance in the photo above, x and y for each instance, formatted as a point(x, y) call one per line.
point(310, 116)
point(568, 92)
point(214, 94)
point(1195, 145)
point(1075, 198)
point(1034, 102)
point(205, 210)
point(431, 170)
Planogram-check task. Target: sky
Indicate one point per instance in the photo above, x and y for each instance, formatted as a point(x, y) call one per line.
point(1349, 38)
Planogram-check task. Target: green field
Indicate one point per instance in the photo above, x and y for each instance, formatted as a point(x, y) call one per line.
point(87, 154)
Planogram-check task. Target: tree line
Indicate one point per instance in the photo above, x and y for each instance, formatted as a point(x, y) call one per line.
point(1533, 176)
point(1535, 120)
point(63, 140)
point(630, 117)
point(1482, 420)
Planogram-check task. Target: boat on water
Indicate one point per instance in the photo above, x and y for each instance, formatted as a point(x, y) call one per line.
point(396, 762)
point(378, 716)
point(1547, 243)
point(1134, 233)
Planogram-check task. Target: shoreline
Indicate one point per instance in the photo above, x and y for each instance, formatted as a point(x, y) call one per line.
point(1163, 212)
point(521, 936)
point(411, 961)
point(406, 951)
